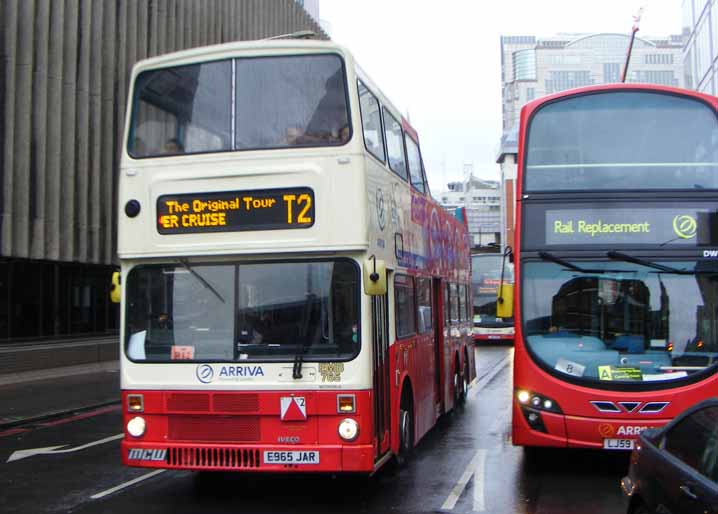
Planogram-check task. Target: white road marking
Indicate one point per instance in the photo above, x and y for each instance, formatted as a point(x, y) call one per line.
point(501, 421)
point(23, 454)
point(479, 473)
point(490, 376)
point(127, 484)
point(455, 493)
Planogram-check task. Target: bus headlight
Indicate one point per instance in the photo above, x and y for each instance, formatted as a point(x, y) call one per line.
point(348, 429)
point(537, 401)
point(136, 426)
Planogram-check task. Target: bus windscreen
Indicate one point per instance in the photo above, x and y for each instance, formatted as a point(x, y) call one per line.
point(615, 321)
point(231, 312)
point(485, 281)
point(626, 140)
point(279, 102)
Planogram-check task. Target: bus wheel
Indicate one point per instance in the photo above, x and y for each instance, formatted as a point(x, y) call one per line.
point(406, 433)
point(465, 382)
point(459, 385)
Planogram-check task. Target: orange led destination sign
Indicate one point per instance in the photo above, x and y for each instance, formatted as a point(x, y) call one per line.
point(232, 211)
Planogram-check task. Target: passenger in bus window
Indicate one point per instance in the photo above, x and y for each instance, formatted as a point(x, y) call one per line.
point(329, 123)
point(138, 149)
point(293, 135)
point(173, 146)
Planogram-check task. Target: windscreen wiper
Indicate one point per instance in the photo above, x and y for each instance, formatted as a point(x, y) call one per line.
point(558, 260)
point(201, 279)
point(306, 321)
point(618, 256)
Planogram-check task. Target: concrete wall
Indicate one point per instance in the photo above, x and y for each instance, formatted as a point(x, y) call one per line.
point(65, 66)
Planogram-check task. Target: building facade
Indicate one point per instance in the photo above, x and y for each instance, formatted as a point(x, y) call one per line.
point(700, 51)
point(65, 68)
point(532, 67)
point(482, 201)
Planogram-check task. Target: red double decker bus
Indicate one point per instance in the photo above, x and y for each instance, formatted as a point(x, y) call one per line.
point(615, 257)
point(293, 300)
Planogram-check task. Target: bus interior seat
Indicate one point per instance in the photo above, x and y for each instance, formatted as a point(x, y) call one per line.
point(629, 344)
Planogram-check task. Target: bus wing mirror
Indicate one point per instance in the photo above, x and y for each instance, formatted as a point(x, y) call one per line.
point(116, 291)
point(505, 301)
point(374, 276)
point(509, 252)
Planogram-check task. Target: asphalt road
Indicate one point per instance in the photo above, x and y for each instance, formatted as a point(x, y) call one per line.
point(465, 464)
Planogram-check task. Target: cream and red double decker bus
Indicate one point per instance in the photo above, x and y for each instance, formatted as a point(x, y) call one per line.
point(292, 297)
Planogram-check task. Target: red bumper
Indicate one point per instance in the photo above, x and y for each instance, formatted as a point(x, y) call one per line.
point(247, 458)
point(577, 432)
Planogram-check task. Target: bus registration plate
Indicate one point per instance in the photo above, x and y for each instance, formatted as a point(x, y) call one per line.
point(291, 457)
point(618, 444)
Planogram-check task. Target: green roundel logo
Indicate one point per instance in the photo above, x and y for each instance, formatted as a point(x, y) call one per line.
point(685, 226)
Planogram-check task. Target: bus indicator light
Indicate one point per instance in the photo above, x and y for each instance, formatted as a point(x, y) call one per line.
point(135, 403)
point(346, 404)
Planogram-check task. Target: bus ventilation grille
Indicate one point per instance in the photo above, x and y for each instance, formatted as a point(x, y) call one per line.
point(235, 402)
point(242, 429)
point(223, 458)
point(187, 402)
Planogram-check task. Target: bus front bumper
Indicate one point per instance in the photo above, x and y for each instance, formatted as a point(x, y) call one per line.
point(493, 334)
point(249, 458)
point(565, 431)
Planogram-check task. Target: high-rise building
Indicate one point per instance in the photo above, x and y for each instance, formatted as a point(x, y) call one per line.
point(482, 201)
point(532, 67)
point(700, 51)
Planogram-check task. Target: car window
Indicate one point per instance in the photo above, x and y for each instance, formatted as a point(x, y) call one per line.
point(694, 440)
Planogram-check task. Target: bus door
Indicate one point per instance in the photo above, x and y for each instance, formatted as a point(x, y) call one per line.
point(380, 341)
point(437, 309)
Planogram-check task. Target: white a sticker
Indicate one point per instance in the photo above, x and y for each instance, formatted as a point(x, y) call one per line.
point(570, 368)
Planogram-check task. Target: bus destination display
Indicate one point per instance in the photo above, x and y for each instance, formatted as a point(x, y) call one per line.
point(232, 211)
point(659, 226)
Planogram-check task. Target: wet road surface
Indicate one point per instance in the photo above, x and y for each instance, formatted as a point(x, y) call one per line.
point(465, 464)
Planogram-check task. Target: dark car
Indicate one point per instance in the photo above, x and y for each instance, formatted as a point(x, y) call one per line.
point(674, 469)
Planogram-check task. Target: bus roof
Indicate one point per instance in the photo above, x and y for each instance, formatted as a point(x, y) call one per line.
point(212, 52)
point(531, 106)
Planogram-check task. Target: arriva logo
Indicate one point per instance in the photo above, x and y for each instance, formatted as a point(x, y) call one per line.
point(685, 226)
point(629, 430)
point(205, 373)
point(233, 372)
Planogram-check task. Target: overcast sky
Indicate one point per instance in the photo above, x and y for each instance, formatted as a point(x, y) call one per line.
point(440, 62)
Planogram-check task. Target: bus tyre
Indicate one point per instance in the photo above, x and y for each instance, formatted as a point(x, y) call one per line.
point(459, 385)
point(465, 382)
point(406, 433)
